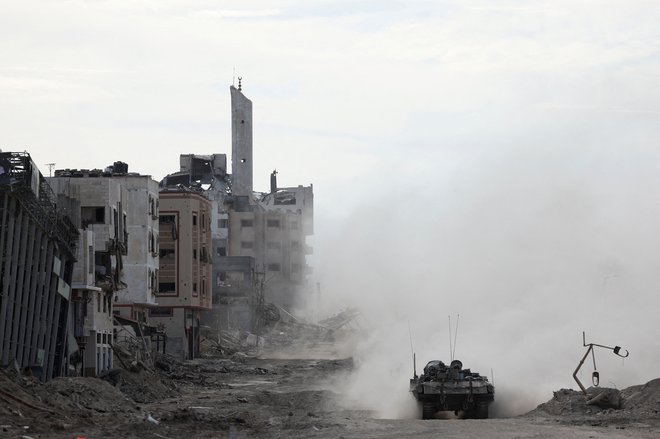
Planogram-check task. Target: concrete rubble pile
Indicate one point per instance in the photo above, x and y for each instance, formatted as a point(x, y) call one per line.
point(138, 377)
point(281, 332)
point(60, 403)
point(191, 372)
point(288, 331)
point(224, 343)
point(640, 403)
point(66, 402)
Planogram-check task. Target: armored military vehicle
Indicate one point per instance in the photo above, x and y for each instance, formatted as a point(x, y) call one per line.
point(452, 388)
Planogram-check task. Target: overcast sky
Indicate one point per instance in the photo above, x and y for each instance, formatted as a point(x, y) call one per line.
point(497, 159)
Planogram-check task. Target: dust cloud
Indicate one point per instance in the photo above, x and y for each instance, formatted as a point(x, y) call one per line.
point(529, 245)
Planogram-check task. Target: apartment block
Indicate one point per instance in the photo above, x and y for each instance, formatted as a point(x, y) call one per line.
point(98, 272)
point(276, 242)
point(92, 313)
point(141, 261)
point(184, 276)
point(121, 209)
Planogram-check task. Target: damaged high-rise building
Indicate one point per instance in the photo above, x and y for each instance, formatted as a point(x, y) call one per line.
point(259, 243)
point(271, 227)
point(37, 251)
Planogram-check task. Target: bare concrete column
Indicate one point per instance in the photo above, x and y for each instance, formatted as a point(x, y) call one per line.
point(29, 292)
point(46, 276)
point(49, 335)
point(19, 292)
point(9, 286)
point(35, 326)
point(4, 261)
point(241, 143)
point(52, 336)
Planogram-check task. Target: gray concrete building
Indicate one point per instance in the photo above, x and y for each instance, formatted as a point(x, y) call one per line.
point(241, 143)
point(280, 219)
point(91, 312)
point(259, 245)
point(141, 261)
point(289, 221)
point(37, 250)
point(103, 212)
point(98, 272)
point(276, 240)
point(121, 209)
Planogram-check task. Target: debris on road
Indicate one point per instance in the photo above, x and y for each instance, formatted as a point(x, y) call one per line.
point(641, 402)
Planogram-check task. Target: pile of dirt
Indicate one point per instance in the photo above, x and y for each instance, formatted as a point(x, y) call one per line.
point(636, 403)
point(132, 356)
point(199, 372)
point(28, 406)
point(564, 402)
point(643, 399)
point(66, 402)
point(73, 394)
point(17, 395)
point(142, 386)
point(223, 343)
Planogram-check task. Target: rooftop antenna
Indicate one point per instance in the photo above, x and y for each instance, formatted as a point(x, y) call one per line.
point(240, 87)
point(233, 77)
point(50, 168)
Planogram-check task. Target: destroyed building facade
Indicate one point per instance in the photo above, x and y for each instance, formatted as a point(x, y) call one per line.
point(101, 240)
point(287, 222)
point(231, 278)
point(259, 239)
point(103, 221)
point(141, 262)
point(38, 245)
point(92, 312)
point(184, 276)
point(116, 274)
point(269, 227)
point(275, 240)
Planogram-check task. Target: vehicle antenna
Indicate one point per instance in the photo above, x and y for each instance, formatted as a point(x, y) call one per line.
point(412, 351)
point(414, 365)
point(458, 316)
point(451, 357)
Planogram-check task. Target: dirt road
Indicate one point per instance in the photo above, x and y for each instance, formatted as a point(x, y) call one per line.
point(266, 398)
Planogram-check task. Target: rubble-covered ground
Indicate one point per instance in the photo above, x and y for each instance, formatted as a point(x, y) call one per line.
point(640, 408)
point(240, 395)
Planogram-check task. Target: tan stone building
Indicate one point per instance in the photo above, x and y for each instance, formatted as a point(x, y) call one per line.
point(184, 277)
